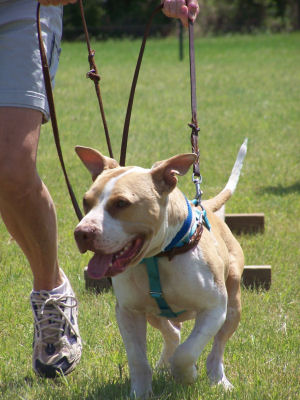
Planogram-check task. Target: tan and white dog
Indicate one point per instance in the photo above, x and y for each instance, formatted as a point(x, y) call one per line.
point(133, 213)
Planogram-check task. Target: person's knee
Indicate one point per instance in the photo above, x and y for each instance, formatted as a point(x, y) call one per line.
point(17, 172)
point(19, 133)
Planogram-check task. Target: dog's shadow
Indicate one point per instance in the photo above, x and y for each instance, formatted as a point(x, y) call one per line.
point(280, 190)
point(116, 389)
point(162, 385)
point(119, 390)
point(113, 390)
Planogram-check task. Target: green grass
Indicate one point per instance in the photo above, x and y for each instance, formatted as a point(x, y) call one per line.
point(247, 86)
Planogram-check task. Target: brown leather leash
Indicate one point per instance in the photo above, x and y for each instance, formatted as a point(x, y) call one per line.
point(197, 179)
point(133, 86)
point(48, 87)
point(95, 77)
point(194, 123)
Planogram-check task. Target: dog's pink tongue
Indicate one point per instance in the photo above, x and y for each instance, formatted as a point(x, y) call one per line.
point(98, 265)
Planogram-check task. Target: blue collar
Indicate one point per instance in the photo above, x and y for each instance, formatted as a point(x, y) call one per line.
point(181, 237)
point(183, 230)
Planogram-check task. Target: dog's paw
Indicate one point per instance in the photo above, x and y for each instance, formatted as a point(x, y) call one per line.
point(185, 375)
point(142, 396)
point(216, 374)
point(141, 392)
point(226, 384)
point(218, 377)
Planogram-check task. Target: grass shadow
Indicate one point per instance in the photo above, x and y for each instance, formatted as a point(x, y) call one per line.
point(111, 391)
point(7, 385)
point(280, 190)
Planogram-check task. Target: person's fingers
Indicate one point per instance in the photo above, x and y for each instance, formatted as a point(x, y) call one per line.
point(193, 9)
point(182, 9)
point(184, 14)
point(172, 8)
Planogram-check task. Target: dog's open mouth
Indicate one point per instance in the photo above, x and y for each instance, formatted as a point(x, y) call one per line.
point(104, 265)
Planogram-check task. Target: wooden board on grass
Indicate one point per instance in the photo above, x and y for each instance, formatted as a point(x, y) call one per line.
point(246, 223)
point(257, 276)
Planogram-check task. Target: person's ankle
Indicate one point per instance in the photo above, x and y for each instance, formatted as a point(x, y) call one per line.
point(48, 284)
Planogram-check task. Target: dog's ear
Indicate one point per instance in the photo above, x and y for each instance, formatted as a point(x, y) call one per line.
point(94, 161)
point(164, 172)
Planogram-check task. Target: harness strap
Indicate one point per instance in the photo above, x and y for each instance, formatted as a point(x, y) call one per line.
point(180, 246)
point(155, 288)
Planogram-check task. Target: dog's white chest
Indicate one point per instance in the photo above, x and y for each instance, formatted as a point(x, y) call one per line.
point(187, 283)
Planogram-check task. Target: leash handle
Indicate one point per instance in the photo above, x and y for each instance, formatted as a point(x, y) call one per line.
point(50, 99)
point(95, 77)
point(133, 86)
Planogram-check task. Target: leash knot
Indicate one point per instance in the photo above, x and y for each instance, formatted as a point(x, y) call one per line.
point(93, 75)
point(195, 128)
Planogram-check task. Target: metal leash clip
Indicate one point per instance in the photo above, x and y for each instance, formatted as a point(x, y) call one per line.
point(197, 181)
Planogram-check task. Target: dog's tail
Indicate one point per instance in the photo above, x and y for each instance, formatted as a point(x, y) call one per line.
point(218, 201)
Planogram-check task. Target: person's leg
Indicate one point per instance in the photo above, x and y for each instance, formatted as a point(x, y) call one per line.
point(29, 214)
point(25, 204)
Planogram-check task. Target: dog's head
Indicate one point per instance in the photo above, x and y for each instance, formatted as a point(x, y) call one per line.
point(125, 210)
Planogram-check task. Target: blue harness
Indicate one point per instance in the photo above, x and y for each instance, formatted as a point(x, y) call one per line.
point(181, 238)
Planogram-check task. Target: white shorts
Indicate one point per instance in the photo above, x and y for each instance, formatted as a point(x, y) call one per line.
point(21, 76)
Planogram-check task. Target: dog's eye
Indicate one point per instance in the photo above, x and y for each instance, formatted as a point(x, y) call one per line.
point(121, 203)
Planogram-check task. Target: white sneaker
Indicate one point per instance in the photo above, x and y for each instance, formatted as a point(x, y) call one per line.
point(57, 343)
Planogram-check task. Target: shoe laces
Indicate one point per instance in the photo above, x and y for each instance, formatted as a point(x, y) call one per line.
point(50, 318)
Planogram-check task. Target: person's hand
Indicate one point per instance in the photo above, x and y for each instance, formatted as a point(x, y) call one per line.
point(56, 2)
point(182, 9)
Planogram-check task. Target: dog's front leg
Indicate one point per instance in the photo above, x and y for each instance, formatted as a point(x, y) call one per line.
point(207, 324)
point(133, 327)
point(171, 335)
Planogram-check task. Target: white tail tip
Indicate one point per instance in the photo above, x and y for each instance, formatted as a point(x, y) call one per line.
point(236, 170)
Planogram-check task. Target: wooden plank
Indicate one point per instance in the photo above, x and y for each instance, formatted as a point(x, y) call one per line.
point(98, 285)
point(257, 276)
point(246, 223)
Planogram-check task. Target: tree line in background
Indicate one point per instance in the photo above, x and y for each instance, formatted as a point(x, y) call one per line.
point(117, 18)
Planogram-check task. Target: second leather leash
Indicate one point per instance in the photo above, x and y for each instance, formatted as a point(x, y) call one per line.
point(93, 75)
point(50, 99)
point(197, 179)
point(133, 86)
